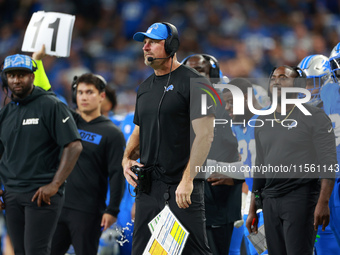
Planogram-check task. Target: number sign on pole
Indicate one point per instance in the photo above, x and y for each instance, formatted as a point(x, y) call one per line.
point(52, 29)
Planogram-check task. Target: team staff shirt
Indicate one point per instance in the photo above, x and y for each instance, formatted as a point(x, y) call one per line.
point(164, 116)
point(310, 142)
point(101, 157)
point(32, 133)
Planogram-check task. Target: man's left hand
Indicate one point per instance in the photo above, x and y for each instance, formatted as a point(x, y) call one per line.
point(220, 179)
point(107, 221)
point(183, 193)
point(321, 215)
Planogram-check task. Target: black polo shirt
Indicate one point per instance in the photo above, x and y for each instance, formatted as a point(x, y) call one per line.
point(300, 150)
point(164, 115)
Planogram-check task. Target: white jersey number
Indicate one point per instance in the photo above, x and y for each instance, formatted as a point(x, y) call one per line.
point(246, 148)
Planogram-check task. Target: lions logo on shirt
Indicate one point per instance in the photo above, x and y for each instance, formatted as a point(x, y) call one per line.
point(89, 137)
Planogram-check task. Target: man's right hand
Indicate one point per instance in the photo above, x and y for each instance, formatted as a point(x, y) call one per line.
point(38, 55)
point(129, 175)
point(252, 222)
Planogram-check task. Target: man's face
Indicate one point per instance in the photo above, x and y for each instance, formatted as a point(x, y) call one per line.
point(282, 77)
point(20, 83)
point(155, 49)
point(229, 106)
point(89, 98)
point(199, 64)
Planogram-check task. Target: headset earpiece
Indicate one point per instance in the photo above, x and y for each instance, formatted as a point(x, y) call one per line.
point(301, 80)
point(102, 86)
point(74, 89)
point(171, 44)
point(103, 82)
point(34, 68)
point(214, 66)
point(3, 78)
point(184, 61)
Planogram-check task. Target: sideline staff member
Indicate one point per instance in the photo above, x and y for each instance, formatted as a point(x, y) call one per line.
point(164, 118)
point(84, 210)
point(222, 197)
point(293, 202)
point(34, 128)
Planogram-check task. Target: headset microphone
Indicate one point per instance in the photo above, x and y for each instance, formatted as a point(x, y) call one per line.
point(150, 59)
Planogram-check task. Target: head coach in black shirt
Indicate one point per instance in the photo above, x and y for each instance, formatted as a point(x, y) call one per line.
point(167, 124)
point(35, 127)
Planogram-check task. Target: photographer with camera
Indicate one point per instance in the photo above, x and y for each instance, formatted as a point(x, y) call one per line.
point(166, 126)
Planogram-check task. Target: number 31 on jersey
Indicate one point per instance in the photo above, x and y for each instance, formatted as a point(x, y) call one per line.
point(52, 29)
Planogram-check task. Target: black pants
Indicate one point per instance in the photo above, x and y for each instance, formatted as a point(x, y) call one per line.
point(192, 218)
point(219, 238)
point(288, 222)
point(31, 227)
point(80, 229)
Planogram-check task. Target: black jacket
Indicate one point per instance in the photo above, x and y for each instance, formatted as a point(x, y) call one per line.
point(100, 160)
point(32, 133)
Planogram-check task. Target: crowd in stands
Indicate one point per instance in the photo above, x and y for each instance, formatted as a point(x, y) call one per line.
point(248, 37)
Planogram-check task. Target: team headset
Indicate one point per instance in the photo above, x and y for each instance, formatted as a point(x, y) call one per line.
point(214, 71)
point(299, 82)
point(102, 86)
point(4, 77)
point(171, 43)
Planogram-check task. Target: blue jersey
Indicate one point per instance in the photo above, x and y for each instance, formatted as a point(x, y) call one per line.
point(246, 145)
point(116, 119)
point(247, 148)
point(124, 217)
point(330, 95)
point(127, 126)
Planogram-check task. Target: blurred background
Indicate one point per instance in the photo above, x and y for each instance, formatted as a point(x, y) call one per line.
point(248, 37)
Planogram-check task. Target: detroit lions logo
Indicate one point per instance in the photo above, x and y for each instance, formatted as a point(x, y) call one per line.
point(90, 137)
point(32, 121)
point(171, 87)
point(292, 125)
point(326, 65)
point(152, 27)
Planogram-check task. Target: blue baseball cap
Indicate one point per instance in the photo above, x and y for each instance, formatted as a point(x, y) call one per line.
point(158, 31)
point(18, 62)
